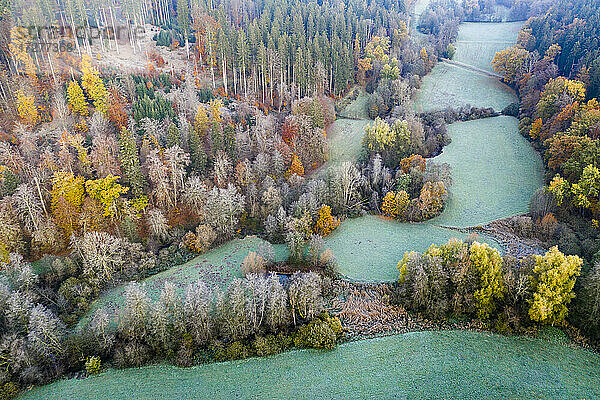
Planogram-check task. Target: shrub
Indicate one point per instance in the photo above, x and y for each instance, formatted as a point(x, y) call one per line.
point(320, 333)
point(512, 110)
point(93, 365)
point(9, 390)
point(234, 351)
point(253, 264)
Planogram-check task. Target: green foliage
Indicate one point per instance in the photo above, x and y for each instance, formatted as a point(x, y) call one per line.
point(271, 344)
point(158, 108)
point(552, 282)
point(93, 365)
point(234, 351)
point(392, 142)
point(450, 51)
point(9, 390)
point(130, 162)
point(320, 333)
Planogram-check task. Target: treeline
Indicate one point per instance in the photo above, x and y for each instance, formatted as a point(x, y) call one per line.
point(559, 114)
point(472, 280)
point(258, 315)
point(575, 27)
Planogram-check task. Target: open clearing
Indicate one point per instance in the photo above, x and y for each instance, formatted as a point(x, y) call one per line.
point(453, 86)
point(477, 43)
point(368, 248)
point(494, 169)
point(216, 267)
point(447, 364)
point(345, 140)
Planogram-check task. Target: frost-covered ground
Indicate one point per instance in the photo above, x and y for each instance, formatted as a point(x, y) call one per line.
point(420, 365)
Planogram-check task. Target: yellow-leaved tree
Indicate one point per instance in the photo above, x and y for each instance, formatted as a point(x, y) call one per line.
point(26, 108)
point(488, 264)
point(296, 167)
point(93, 85)
point(553, 279)
point(66, 200)
point(106, 192)
point(325, 221)
point(76, 98)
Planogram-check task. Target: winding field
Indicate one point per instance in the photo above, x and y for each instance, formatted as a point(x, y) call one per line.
point(426, 365)
point(495, 172)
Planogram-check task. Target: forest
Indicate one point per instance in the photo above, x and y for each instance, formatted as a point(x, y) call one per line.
point(111, 175)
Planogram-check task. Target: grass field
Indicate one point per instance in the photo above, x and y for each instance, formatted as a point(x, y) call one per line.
point(421, 365)
point(453, 86)
point(477, 43)
point(345, 140)
point(369, 248)
point(357, 109)
point(494, 169)
point(216, 267)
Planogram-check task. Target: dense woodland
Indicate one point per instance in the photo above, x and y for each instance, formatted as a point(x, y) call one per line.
point(108, 177)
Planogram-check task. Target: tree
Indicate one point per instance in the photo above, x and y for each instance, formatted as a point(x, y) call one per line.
point(67, 198)
point(102, 254)
point(395, 204)
point(585, 193)
point(135, 316)
point(392, 142)
point(197, 312)
point(555, 93)
point(325, 221)
point(223, 209)
point(413, 161)
point(511, 62)
point(26, 109)
point(106, 191)
point(389, 206)
point(94, 86)
point(305, 295)
point(552, 282)
point(28, 207)
point(488, 264)
point(76, 98)
point(296, 167)
point(130, 162)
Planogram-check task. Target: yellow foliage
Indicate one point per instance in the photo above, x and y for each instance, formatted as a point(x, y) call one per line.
point(325, 221)
point(201, 120)
point(296, 167)
point(106, 191)
point(553, 280)
point(536, 128)
point(66, 200)
point(27, 109)
point(77, 99)
point(215, 109)
point(93, 85)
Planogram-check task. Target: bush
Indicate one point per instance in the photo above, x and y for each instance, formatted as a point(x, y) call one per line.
point(93, 365)
point(268, 345)
point(234, 351)
point(511, 110)
point(320, 333)
point(9, 390)
point(253, 264)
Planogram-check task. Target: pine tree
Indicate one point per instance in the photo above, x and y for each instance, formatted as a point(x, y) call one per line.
point(130, 162)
